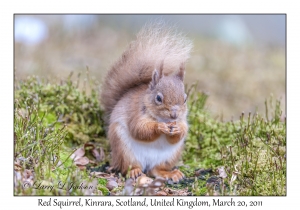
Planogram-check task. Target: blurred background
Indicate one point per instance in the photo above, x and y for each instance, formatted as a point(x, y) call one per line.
point(239, 60)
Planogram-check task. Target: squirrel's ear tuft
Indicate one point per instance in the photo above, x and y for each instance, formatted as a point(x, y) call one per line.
point(181, 72)
point(156, 76)
point(155, 79)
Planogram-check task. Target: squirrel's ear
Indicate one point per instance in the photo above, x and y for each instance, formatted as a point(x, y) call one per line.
point(156, 76)
point(155, 79)
point(181, 72)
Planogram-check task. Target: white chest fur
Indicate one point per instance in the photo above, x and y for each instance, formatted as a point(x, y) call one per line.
point(149, 154)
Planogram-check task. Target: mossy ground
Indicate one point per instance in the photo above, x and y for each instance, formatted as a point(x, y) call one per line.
point(53, 119)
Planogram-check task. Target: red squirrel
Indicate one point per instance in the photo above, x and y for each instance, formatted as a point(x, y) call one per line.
point(145, 104)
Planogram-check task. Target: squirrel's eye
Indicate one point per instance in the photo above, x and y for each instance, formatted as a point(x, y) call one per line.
point(185, 97)
point(158, 98)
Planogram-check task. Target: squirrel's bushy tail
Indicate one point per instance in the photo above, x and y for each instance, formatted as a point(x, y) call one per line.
point(154, 43)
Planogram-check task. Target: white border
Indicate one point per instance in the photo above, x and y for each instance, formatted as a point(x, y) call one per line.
point(8, 8)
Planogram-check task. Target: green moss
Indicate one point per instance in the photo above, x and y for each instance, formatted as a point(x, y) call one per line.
point(252, 147)
point(103, 189)
point(102, 182)
point(63, 104)
point(45, 114)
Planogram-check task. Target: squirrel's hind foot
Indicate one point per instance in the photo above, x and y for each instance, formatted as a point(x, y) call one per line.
point(135, 173)
point(175, 175)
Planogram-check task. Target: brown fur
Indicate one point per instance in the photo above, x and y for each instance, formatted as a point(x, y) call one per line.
point(130, 98)
point(121, 159)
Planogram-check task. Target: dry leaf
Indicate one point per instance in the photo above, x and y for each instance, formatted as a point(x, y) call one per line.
point(161, 193)
point(128, 187)
point(158, 183)
point(234, 174)
point(18, 167)
point(82, 161)
point(78, 154)
point(111, 184)
point(102, 154)
point(100, 174)
point(96, 154)
point(222, 172)
point(144, 181)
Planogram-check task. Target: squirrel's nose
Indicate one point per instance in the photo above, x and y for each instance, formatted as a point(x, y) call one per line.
point(173, 115)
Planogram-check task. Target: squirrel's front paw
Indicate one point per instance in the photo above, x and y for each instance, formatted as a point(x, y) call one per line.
point(164, 128)
point(174, 130)
point(170, 129)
